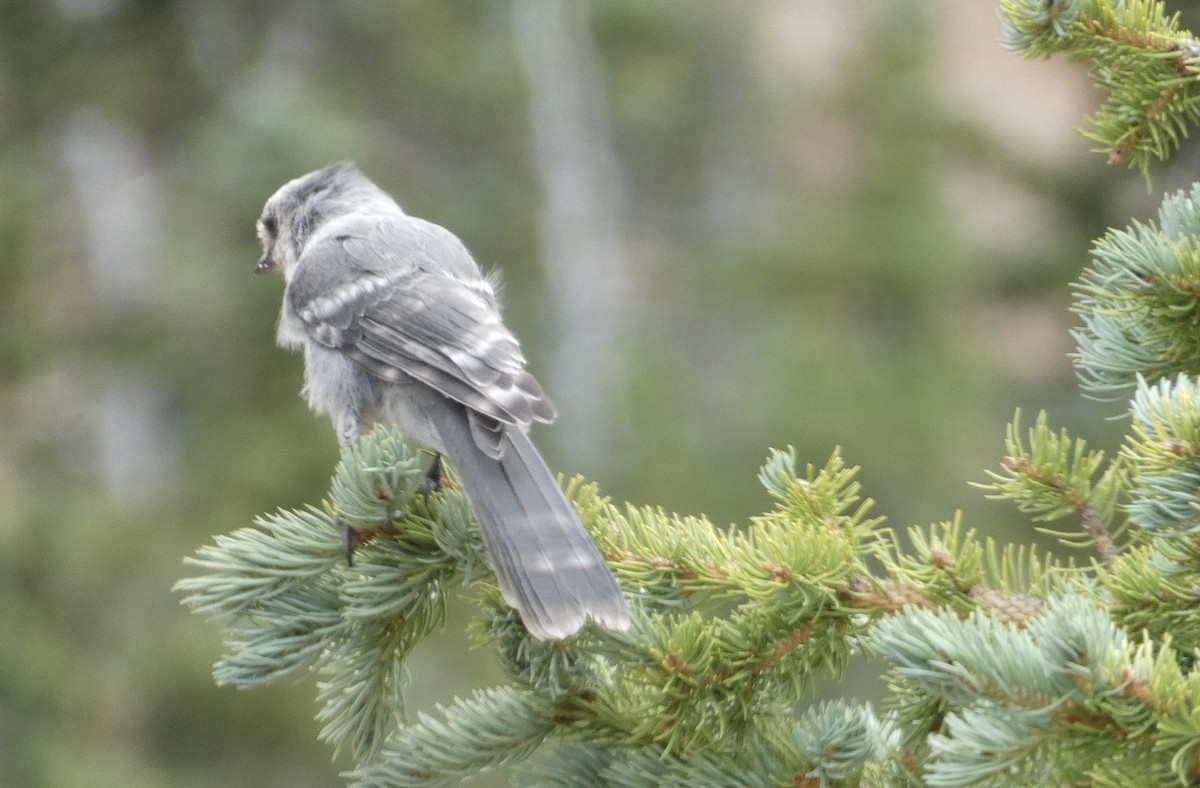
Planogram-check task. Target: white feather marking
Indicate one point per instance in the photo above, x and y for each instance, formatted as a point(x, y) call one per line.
point(479, 287)
point(325, 307)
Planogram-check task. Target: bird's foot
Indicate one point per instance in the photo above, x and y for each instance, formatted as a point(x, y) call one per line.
point(352, 537)
point(433, 477)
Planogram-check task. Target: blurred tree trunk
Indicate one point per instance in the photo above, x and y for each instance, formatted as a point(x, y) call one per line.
point(118, 197)
point(583, 222)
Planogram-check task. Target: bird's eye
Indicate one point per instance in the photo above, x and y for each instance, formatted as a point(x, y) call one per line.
point(270, 225)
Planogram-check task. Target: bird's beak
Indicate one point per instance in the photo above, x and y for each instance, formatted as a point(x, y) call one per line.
point(265, 263)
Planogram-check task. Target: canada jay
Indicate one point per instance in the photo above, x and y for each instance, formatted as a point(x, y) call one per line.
point(399, 326)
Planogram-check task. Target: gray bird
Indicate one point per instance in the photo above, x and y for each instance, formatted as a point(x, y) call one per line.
point(398, 325)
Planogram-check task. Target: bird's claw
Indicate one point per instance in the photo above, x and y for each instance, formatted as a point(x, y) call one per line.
point(433, 477)
point(352, 537)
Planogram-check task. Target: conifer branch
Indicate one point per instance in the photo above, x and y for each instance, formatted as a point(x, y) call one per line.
point(1138, 301)
point(488, 731)
point(1141, 60)
point(728, 618)
point(1052, 477)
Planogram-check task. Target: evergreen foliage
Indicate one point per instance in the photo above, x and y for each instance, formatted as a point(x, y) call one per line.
point(1141, 60)
point(1138, 301)
point(1006, 666)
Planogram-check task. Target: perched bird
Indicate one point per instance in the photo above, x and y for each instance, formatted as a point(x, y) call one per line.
point(398, 325)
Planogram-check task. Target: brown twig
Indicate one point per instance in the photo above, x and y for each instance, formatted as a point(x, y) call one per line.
point(1089, 516)
point(1122, 151)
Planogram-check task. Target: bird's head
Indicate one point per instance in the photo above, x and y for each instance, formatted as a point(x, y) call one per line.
point(301, 206)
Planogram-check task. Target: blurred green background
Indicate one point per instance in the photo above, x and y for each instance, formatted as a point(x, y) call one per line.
point(723, 226)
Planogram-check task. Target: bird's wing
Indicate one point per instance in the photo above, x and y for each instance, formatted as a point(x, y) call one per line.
point(401, 315)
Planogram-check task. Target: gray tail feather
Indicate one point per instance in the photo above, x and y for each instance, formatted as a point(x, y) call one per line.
point(548, 567)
